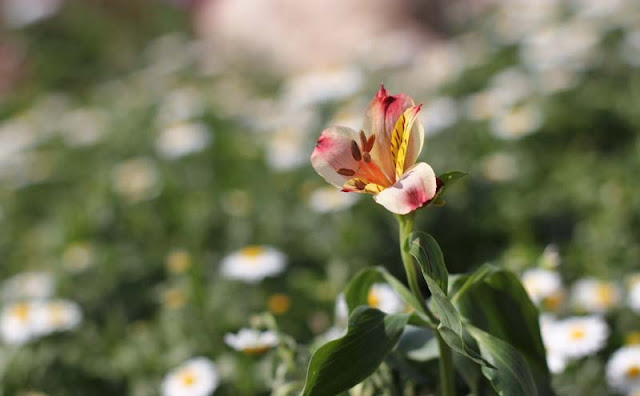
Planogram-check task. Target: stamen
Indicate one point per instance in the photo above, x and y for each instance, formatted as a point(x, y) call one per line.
point(363, 140)
point(346, 172)
point(360, 185)
point(369, 146)
point(355, 151)
point(366, 157)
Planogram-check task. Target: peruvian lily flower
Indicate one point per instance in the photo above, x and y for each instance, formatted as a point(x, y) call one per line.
point(381, 158)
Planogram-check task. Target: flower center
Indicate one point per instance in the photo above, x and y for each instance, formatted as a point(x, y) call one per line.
point(577, 333)
point(256, 350)
point(279, 304)
point(605, 294)
point(20, 311)
point(252, 251)
point(373, 299)
point(188, 378)
point(633, 372)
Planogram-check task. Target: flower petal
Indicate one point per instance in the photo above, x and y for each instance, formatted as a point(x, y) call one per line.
point(333, 153)
point(380, 118)
point(400, 140)
point(416, 187)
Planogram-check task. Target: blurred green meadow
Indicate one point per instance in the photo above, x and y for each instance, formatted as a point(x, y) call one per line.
point(134, 162)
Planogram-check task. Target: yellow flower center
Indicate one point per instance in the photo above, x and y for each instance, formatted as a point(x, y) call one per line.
point(577, 333)
point(252, 251)
point(633, 372)
point(632, 338)
point(256, 350)
point(174, 298)
point(279, 304)
point(605, 294)
point(188, 378)
point(373, 299)
point(553, 301)
point(178, 261)
point(20, 311)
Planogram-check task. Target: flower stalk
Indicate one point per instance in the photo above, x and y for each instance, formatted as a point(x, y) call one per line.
point(405, 223)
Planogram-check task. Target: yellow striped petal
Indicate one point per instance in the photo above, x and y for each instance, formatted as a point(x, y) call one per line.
point(400, 139)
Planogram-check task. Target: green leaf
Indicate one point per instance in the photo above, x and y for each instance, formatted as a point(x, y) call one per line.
point(345, 362)
point(450, 327)
point(357, 291)
point(447, 179)
point(493, 300)
point(424, 248)
point(512, 375)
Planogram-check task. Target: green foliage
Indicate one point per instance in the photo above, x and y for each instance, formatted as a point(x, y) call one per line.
point(510, 374)
point(429, 257)
point(494, 300)
point(343, 363)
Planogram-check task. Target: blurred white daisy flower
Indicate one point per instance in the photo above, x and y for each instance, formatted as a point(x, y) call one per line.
point(179, 105)
point(516, 122)
point(136, 179)
point(78, 256)
point(631, 48)
point(19, 13)
point(16, 322)
point(329, 199)
point(567, 45)
point(544, 287)
point(623, 369)
point(195, 377)
point(56, 315)
point(556, 361)
point(575, 337)
point(550, 257)
point(253, 263)
point(384, 298)
point(332, 333)
point(319, 86)
point(28, 285)
point(500, 167)
point(251, 341)
point(181, 139)
point(287, 149)
point(633, 294)
point(593, 295)
point(83, 126)
point(438, 114)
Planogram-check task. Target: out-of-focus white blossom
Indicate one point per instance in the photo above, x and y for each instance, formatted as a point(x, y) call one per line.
point(251, 341)
point(18, 13)
point(136, 179)
point(593, 295)
point(29, 285)
point(181, 139)
point(517, 122)
point(623, 369)
point(195, 377)
point(83, 126)
point(384, 298)
point(253, 263)
point(500, 167)
point(438, 114)
point(575, 337)
point(329, 199)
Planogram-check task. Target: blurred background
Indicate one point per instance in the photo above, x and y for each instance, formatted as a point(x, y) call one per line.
point(146, 145)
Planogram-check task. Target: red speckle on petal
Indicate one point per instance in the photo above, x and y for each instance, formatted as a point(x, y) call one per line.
point(324, 143)
point(416, 198)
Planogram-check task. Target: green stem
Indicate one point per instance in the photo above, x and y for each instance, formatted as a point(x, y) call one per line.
point(446, 363)
point(447, 386)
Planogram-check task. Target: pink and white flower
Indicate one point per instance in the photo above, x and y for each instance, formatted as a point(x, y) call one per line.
point(381, 158)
